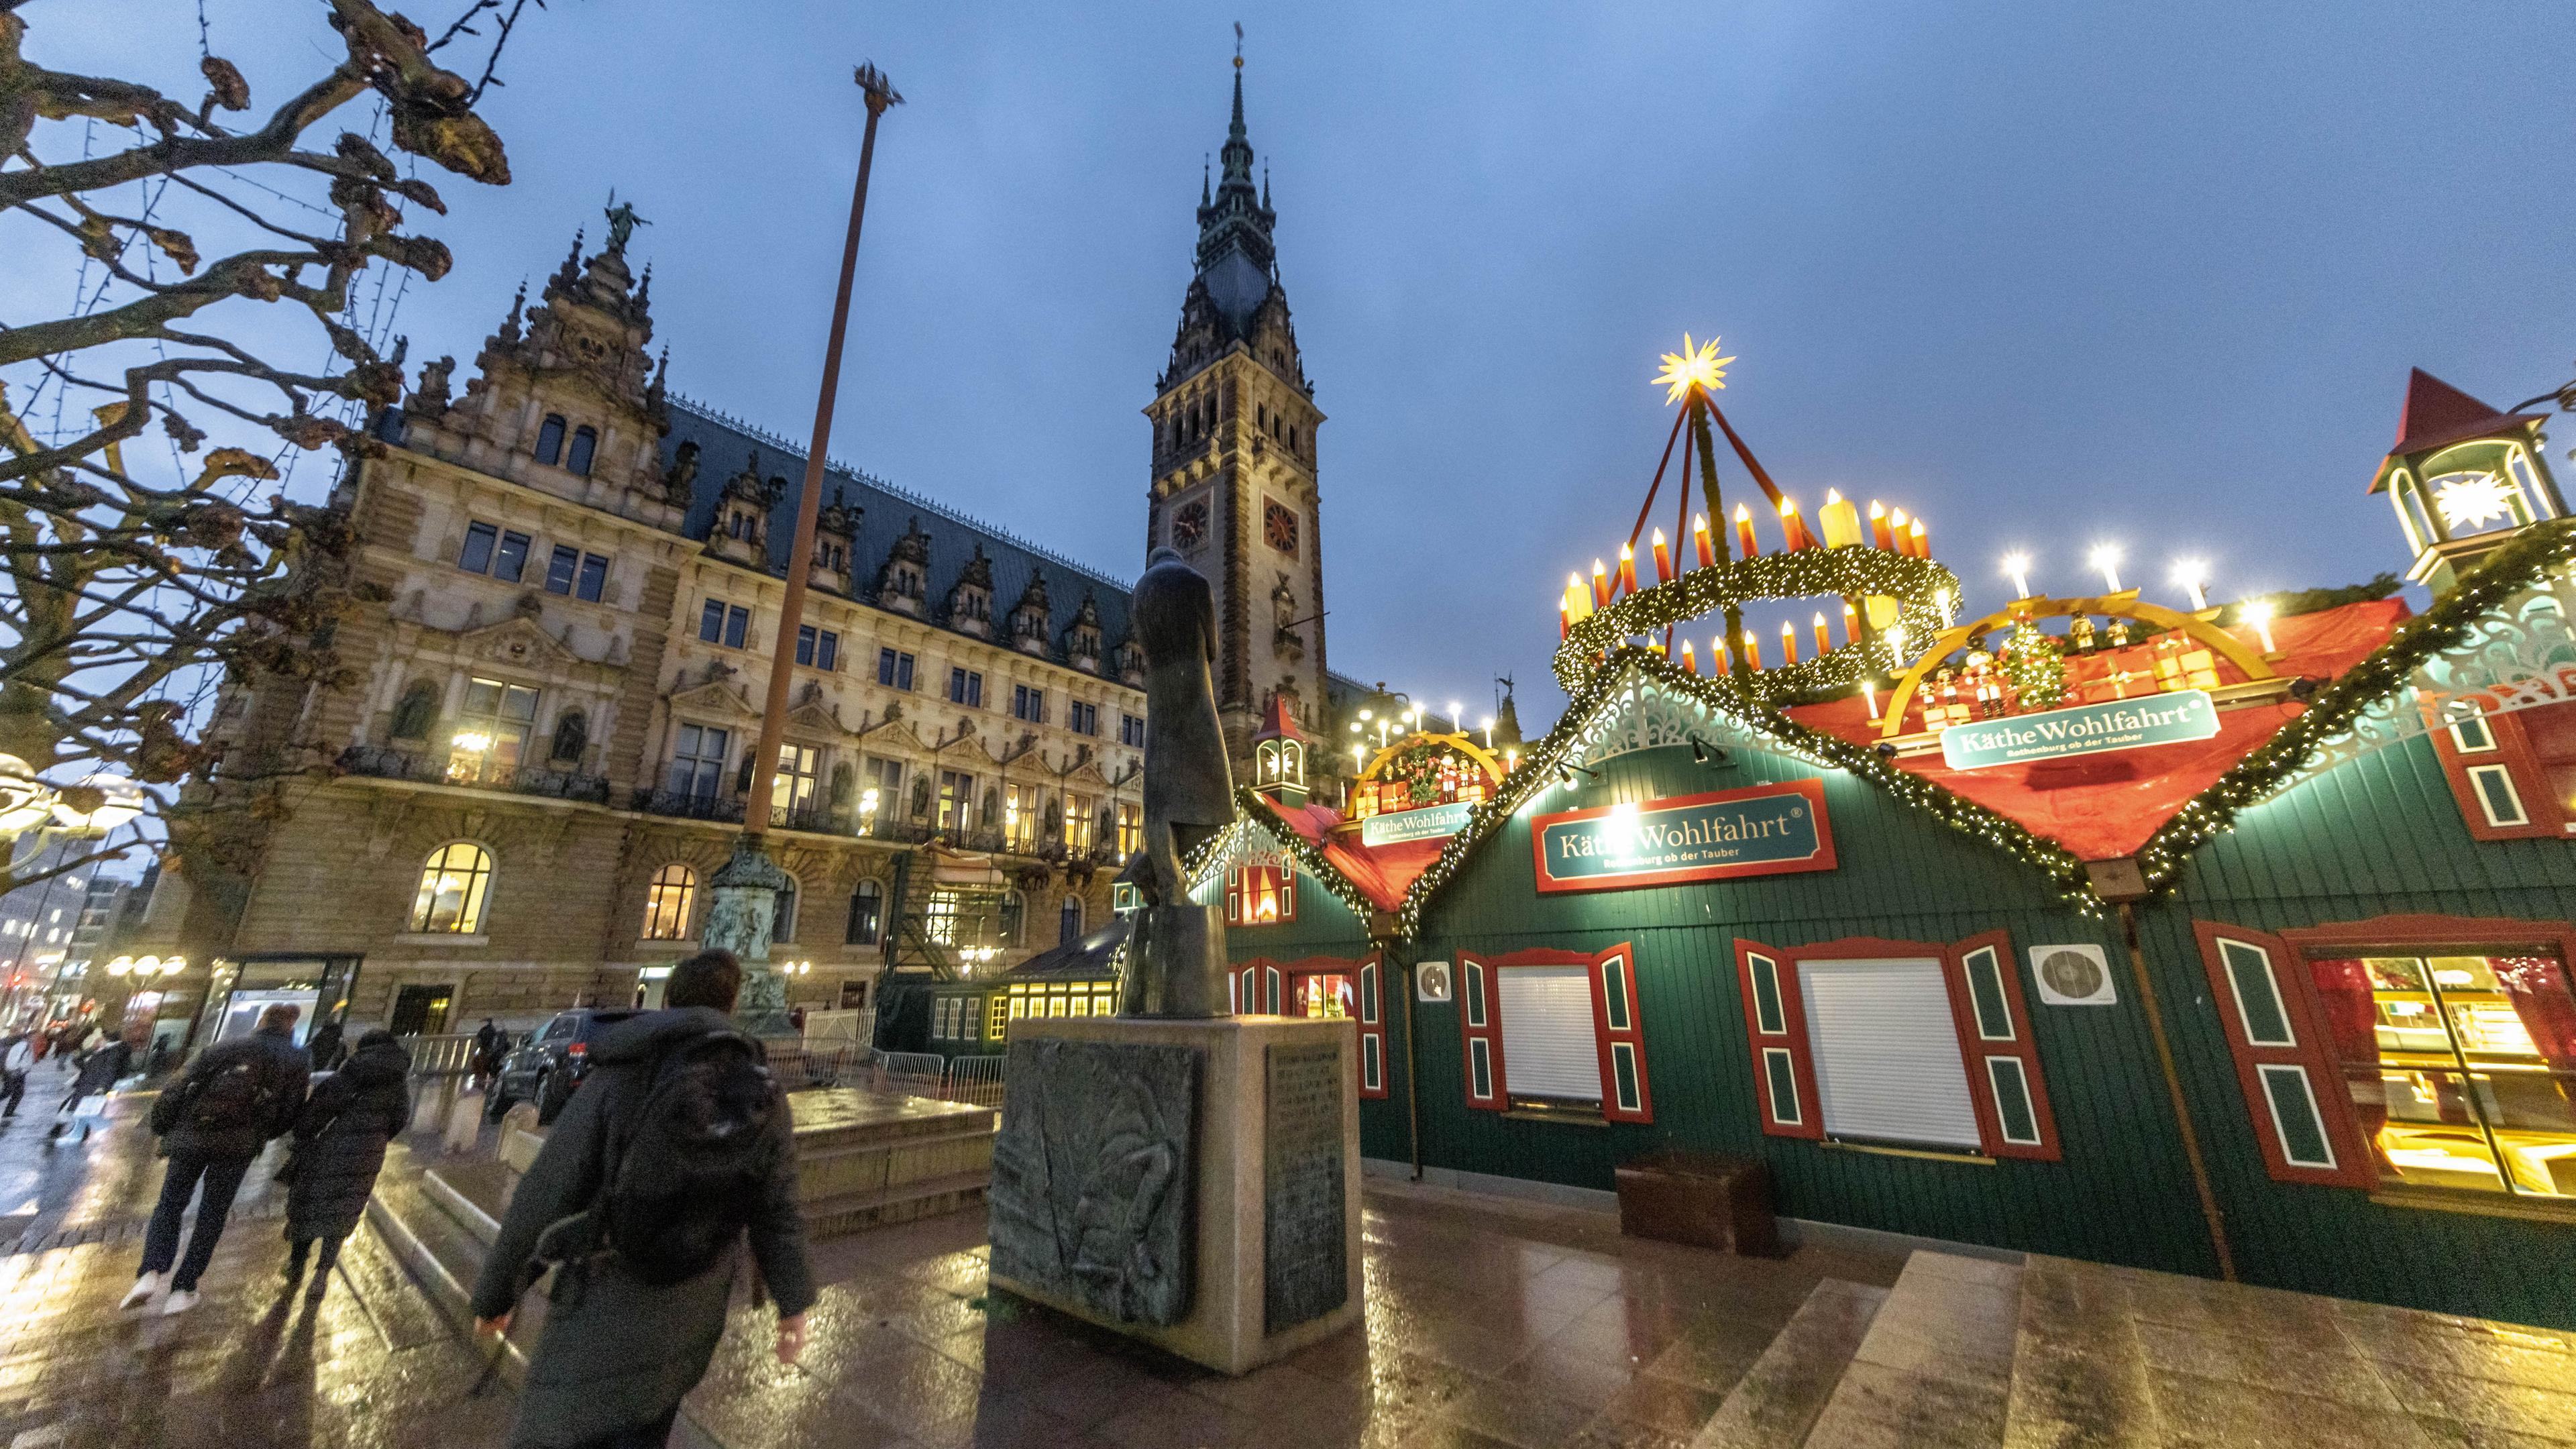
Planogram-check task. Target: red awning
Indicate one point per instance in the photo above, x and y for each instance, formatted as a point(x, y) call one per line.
point(1382, 872)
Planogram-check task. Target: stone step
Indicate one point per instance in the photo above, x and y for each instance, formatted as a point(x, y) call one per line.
point(1935, 1369)
point(1777, 1400)
point(2079, 1377)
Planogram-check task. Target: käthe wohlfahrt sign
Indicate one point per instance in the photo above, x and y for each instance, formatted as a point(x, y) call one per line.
point(1765, 830)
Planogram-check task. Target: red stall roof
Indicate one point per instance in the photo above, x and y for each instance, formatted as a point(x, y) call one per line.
point(2106, 806)
point(1382, 872)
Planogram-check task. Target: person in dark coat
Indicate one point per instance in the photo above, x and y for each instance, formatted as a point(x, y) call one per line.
point(212, 1122)
point(618, 1354)
point(100, 1067)
point(339, 1148)
point(491, 1043)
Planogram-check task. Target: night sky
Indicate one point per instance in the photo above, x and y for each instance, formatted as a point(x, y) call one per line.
point(2046, 274)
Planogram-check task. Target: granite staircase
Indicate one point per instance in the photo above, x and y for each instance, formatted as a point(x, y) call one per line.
point(2055, 1354)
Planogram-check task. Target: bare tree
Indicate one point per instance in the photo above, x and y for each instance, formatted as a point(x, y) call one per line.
point(127, 589)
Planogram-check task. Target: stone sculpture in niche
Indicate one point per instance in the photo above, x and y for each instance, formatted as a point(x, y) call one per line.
point(1092, 1181)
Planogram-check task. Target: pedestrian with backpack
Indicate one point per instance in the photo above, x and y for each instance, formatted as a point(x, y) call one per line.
point(339, 1148)
point(212, 1123)
point(674, 1149)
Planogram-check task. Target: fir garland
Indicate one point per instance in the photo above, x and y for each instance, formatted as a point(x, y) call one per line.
point(1922, 589)
point(2506, 572)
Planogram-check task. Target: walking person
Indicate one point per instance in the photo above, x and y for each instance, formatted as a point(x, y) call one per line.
point(674, 1149)
point(490, 1045)
point(17, 1059)
point(211, 1123)
point(100, 1068)
point(339, 1148)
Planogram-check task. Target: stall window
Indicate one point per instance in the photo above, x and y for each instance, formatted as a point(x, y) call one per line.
point(1555, 1031)
point(2407, 1052)
point(1258, 988)
point(1896, 1043)
point(2513, 775)
point(997, 1017)
point(1260, 895)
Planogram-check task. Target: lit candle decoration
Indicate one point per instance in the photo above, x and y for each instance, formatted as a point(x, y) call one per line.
point(1878, 535)
point(1690, 661)
point(1869, 697)
point(1717, 654)
point(2260, 616)
point(2106, 557)
point(1788, 643)
point(1894, 634)
point(1824, 645)
point(1744, 532)
point(1578, 599)
point(2017, 568)
point(1902, 541)
point(1793, 530)
point(1839, 520)
point(1700, 540)
point(1564, 620)
point(1600, 585)
point(1663, 559)
point(1627, 571)
point(1919, 547)
point(1752, 652)
point(1851, 623)
point(2192, 575)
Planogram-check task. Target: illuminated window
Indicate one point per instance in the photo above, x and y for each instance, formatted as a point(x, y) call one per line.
point(956, 799)
point(794, 786)
point(1022, 805)
point(491, 735)
point(1077, 823)
point(667, 902)
point(997, 1018)
point(2460, 1069)
point(1260, 895)
point(452, 887)
point(1131, 826)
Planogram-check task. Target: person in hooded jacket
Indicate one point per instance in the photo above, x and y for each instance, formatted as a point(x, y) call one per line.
point(101, 1067)
point(212, 1122)
point(618, 1353)
point(339, 1148)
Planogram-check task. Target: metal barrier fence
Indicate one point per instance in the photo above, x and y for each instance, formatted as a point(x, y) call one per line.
point(440, 1056)
point(975, 1079)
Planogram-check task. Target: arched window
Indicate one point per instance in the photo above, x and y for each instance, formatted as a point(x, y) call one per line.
point(452, 886)
point(666, 905)
point(550, 436)
point(416, 717)
point(867, 911)
point(585, 441)
point(782, 926)
point(1068, 921)
point(1015, 908)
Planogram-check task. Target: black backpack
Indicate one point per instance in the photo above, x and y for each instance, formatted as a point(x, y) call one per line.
point(240, 1097)
point(696, 1159)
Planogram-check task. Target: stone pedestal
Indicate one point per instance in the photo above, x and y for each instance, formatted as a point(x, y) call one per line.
point(1194, 1184)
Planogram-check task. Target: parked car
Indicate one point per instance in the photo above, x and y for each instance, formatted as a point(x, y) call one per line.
point(546, 1066)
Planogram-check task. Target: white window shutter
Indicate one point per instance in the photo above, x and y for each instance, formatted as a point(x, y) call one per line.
point(1548, 1032)
point(1886, 1052)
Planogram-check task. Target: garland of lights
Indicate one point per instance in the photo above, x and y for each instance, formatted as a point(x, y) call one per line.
point(1924, 592)
point(2507, 572)
point(1252, 810)
point(2031, 662)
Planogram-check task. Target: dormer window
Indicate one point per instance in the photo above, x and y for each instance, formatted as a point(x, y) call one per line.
point(550, 438)
point(585, 441)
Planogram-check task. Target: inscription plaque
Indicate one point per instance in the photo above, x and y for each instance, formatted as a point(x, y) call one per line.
point(1305, 1267)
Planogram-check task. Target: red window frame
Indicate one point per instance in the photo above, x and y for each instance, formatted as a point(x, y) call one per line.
point(1775, 1025)
point(1276, 980)
point(1618, 1026)
point(2312, 1049)
point(2544, 817)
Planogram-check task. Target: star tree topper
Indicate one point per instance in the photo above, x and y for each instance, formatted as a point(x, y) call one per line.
point(1692, 367)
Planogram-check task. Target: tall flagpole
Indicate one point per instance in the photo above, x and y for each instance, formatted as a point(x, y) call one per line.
point(743, 894)
point(800, 554)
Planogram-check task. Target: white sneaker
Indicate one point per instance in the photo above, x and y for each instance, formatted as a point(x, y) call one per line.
point(145, 1285)
point(179, 1301)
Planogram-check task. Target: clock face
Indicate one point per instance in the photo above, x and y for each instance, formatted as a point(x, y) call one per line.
point(1279, 525)
point(1190, 525)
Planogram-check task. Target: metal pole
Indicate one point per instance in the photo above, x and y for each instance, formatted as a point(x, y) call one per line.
point(791, 610)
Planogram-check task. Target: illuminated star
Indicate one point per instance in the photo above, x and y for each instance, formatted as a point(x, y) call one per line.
point(2473, 500)
point(1692, 367)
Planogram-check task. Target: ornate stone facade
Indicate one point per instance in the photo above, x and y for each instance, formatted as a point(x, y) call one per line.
point(577, 582)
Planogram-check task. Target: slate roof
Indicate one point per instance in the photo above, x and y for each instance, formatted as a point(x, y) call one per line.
point(887, 512)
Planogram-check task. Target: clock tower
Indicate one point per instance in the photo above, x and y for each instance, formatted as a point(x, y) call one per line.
point(1234, 461)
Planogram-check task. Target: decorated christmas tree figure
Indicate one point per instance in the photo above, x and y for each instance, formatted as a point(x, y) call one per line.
point(2031, 663)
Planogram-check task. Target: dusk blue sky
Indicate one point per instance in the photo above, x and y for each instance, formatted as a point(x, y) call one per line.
point(2045, 273)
